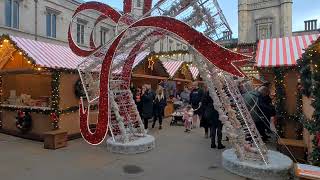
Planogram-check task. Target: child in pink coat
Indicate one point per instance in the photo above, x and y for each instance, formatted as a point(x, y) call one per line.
point(187, 118)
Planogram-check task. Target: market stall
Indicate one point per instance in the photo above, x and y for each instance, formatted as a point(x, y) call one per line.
point(310, 98)
point(277, 61)
point(40, 88)
point(168, 70)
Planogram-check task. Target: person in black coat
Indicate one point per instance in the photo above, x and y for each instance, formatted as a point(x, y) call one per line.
point(204, 122)
point(159, 104)
point(196, 96)
point(147, 104)
point(137, 100)
point(211, 115)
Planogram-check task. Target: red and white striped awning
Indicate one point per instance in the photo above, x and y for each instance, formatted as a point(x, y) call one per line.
point(139, 58)
point(48, 55)
point(282, 51)
point(194, 71)
point(171, 66)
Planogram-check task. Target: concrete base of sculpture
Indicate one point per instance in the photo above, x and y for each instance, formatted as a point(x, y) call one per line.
point(279, 167)
point(139, 145)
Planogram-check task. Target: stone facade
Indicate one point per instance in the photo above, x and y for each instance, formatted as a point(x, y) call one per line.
point(261, 19)
point(32, 21)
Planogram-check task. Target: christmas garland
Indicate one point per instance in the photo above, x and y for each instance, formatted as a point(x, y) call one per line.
point(280, 99)
point(310, 79)
point(55, 98)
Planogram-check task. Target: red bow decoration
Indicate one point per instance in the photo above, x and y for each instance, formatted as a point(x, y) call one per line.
point(21, 114)
point(54, 117)
point(318, 138)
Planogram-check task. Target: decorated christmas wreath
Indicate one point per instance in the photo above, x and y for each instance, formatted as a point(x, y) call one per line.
point(78, 89)
point(24, 121)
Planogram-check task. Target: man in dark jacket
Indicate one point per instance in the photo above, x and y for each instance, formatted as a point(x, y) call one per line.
point(261, 109)
point(196, 96)
point(211, 116)
point(147, 104)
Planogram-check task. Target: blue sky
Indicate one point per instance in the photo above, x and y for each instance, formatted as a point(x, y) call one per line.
point(301, 10)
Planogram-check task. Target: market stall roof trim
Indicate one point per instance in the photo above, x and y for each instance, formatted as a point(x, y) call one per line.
point(194, 71)
point(282, 51)
point(46, 54)
point(171, 66)
point(139, 59)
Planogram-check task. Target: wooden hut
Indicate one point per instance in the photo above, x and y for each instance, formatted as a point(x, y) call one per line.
point(38, 80)
point(276, 60)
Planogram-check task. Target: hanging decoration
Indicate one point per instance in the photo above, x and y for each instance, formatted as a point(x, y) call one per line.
point(55, 120)
point(151, 62)
point(24, 121)
point(184, 69)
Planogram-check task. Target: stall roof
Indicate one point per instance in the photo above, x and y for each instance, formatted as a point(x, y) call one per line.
point(194, 71)
point(57, 56)
point(47, 54)
point(171, 66)
point(284, 51)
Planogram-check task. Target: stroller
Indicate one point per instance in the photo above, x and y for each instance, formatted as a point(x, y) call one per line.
point(178, 113)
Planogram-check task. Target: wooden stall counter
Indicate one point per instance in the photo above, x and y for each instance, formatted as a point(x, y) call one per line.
point(297, 147)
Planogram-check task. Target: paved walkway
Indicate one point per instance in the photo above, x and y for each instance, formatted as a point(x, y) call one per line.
point(177, 156)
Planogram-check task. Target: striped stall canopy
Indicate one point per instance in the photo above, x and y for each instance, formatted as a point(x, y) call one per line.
point(282, 51)
point(48, 55)
point(194, 71)
point(139, 58)
point(171, 66)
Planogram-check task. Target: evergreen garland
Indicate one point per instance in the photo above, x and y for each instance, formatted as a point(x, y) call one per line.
point(280, 99)
point(305, 73)
point(55, 98)
point(310, 78)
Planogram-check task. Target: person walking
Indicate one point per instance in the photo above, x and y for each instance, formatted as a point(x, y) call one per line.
point(212, 116)
point(195, 101)
point(160, 102)
point(147, 104)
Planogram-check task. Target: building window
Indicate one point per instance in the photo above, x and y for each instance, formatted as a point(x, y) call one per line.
point(51, 24)
point(185, 47)
point(170, 45)
point(103, 35)
point(12, 13)
point(138, 3)
point(161, 45)
point(264, 31)
point(264, 28)
point(178, 46)
point(80, 33)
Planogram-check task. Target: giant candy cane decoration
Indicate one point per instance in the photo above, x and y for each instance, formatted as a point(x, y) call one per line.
point(214, 53)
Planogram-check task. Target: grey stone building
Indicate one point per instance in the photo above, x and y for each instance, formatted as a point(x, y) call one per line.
point(48, 21)
point(262, 19)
